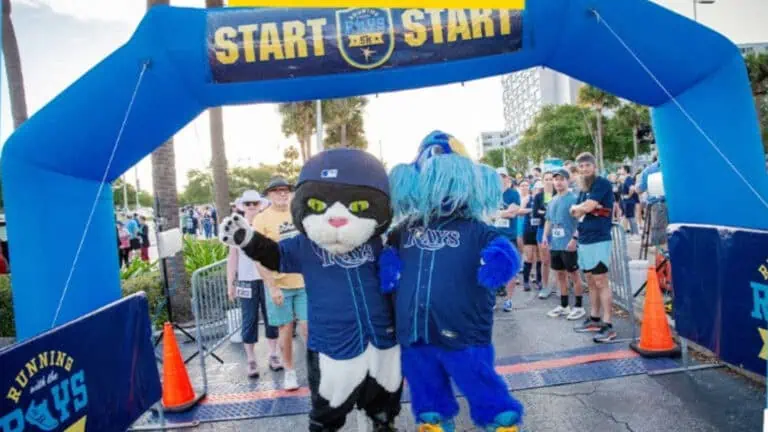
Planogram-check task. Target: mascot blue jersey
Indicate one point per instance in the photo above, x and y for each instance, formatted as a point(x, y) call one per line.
point(439, 300)
point(346, 308)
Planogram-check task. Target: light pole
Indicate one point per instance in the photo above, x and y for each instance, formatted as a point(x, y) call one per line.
point(698, 2)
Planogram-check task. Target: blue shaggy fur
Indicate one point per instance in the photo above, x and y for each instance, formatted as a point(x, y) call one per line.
point(492, 189)
point(390, 266)
point(404, 187)
point(444, 193)
point(501, 262)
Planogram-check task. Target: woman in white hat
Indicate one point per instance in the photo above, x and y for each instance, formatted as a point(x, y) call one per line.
point(245, 283)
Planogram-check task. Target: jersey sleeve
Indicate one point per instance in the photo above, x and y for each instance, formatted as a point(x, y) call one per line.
point(602, 193)
point(290, 254)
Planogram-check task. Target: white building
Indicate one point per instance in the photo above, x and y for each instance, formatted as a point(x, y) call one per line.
point(493, 140)
point(753, 48)
point(526, 92)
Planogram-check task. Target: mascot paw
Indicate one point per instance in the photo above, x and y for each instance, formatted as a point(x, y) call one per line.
point(389, 270)
point(235, 231)
point(499, 264)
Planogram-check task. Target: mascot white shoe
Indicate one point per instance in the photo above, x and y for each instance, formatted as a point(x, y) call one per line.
point(341, 207)
point(445, 266)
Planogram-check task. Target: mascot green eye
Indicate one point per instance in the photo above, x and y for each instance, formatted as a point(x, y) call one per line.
point(358, 206)
point(316, 205)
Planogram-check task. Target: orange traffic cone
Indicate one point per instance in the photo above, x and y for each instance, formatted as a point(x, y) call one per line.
point(655, 336)
point(178, 395)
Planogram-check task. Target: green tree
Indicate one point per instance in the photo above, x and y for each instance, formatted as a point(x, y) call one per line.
point(757, 68)
point(145, 199)
point(599, 101)
point(298, 118)
point(344, 120)
point(558, 131)
point(634, 117)
point(288, 167)
point(244, 178)
point(199, 188)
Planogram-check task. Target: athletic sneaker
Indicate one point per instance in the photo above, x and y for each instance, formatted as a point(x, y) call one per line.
point(576, 313)
point(559, 312)
point(290, 382)
point(38, 415)
point(589, 326)
point(545, 292)
point(253, 370)
point(526, 286)
point(606, 334)
point(275, 364)
point(507, 305)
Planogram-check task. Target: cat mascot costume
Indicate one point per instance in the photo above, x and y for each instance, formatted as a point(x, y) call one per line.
point(444, 266)
point(341, 208)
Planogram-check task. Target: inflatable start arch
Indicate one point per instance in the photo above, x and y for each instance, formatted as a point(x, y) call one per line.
point(182, 61)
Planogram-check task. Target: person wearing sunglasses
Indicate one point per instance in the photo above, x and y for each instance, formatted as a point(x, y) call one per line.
point(246, 284)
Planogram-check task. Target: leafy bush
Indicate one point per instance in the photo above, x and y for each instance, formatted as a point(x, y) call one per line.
point(152, 284)
point(201, 253)
point(7, 327)
point(138, 267)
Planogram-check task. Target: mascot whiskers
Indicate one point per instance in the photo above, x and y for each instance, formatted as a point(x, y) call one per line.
point(444, 266)
point(341, 208)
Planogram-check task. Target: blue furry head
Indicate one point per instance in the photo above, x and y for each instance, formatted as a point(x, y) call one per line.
point(493, 195)
point(449, 185)
point(404, 184)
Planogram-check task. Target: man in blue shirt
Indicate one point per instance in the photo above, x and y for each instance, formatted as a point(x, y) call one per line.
point(593, 210)
point(561, 227)
point(629, 198)
point(132, 226)
point(506, 223)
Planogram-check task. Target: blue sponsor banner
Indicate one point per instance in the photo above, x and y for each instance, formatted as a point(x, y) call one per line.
point(720, 278)
point(264, 44)
point(96, 373)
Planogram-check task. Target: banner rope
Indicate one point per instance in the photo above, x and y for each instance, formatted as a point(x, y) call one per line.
point(695, 124)
point(144, 68)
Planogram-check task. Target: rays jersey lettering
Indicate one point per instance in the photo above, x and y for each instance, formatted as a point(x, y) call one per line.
point(286, 230)
point(432, 239)
point(349, 260)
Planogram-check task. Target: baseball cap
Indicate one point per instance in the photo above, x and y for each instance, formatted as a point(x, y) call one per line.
point(502, 171)
point(562, 173)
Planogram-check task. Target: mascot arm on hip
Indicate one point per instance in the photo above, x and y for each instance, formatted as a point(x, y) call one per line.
point(341, 208)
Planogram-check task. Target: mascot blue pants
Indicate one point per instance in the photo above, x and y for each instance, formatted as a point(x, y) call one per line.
point(429, 369)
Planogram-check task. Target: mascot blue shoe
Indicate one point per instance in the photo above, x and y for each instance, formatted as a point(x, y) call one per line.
point(445, 263)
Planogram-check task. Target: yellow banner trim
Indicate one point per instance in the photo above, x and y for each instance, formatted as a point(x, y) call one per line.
point(393, 4)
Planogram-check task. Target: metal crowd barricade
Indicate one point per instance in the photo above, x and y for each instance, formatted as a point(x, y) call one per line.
point(216, 318)
point(619, 276)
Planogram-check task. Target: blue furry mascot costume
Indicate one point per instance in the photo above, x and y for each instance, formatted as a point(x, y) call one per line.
point(444, 266)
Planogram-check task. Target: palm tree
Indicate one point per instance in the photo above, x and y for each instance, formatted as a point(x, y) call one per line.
point(218, 151)
point(598, 100)
point(299, 120)
point(342, 113)
point(164, 184)
point(13, 68)
point(636, 117)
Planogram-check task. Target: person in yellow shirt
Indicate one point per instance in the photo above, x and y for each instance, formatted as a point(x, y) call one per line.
point(287, 299)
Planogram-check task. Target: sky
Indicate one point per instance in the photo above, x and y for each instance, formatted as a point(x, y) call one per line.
point(79, 33)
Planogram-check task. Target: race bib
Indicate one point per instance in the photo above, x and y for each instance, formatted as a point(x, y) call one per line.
point(244, 292)
point(558, 232)
point(502, 223)
point(535, 221)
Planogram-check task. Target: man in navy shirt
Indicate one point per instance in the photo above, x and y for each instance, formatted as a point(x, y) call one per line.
point(593, 209)
point(506, 223)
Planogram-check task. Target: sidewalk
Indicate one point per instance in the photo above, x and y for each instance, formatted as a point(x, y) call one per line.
point(707, 400)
